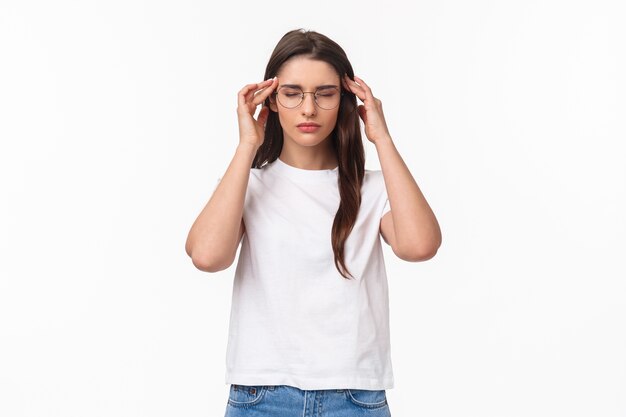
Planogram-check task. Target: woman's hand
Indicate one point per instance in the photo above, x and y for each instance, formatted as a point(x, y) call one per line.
point(371, 111)
point(253, 131)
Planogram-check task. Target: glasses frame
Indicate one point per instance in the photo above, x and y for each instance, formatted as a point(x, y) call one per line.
point(341, 93)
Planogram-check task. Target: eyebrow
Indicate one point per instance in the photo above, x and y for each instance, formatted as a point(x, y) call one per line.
point(317, 88)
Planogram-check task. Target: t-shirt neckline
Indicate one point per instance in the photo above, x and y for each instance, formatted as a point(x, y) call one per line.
point(304, 174)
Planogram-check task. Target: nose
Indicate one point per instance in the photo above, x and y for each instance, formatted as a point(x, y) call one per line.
point(308, 105)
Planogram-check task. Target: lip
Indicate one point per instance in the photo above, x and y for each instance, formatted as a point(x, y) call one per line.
point(308, 127)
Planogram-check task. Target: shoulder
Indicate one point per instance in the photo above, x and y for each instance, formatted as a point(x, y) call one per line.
point(373, 187)
point(373, 178)
point(260, 173)
point(261, 179)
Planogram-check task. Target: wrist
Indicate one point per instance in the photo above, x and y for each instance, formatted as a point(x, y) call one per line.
point(245, 147)
point(383, 140)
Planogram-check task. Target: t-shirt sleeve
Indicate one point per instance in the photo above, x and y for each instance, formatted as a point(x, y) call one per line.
point(387, 207)
point(216, 184)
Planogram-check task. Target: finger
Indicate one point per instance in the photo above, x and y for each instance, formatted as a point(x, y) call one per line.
point(241, 95)
point(356, 88)
point(248, 91)
point(247, 87)
point(260, 87)
point(252, 87)
point(344, 82)
point(249, 95)
point(252, 95)
point(262, 94)
point(349, 82)
point(366, 88)
point(263, 85)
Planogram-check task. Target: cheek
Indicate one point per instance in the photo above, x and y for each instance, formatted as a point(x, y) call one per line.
point(332, 119)
point(283, 118)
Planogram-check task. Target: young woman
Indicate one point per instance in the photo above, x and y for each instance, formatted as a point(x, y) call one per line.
point(309, 324)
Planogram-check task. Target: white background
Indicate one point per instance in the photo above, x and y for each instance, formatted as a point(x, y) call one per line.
point(117, 118)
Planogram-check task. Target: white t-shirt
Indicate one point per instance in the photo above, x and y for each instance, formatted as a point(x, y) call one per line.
point(294, 319)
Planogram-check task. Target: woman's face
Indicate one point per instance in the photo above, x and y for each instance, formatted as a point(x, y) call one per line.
point(309, 75)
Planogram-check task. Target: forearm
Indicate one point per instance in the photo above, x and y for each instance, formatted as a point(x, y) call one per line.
point(213, 238)
point(415, 225)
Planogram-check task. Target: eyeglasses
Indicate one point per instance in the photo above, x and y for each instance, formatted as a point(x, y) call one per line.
point(326, 98)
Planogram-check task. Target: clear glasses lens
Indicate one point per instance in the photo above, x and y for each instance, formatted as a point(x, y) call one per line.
point(326, 98)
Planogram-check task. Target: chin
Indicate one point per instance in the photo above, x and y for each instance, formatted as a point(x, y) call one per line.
point(309, 139)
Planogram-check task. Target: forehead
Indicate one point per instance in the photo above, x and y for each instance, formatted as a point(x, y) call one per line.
point(307, 72)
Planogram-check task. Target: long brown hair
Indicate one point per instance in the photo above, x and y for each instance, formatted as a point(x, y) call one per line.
point(346, 137)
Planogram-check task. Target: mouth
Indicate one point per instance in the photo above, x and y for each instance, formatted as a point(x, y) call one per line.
point(308, 127)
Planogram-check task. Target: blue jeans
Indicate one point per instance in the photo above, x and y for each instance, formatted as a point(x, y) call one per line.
point(288, 401)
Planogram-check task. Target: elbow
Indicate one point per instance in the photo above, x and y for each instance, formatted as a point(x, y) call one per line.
point(416, 256)
point(213, 263)
point(202, 259)
point(209, 257)
point(419, 253)
point(205, 264)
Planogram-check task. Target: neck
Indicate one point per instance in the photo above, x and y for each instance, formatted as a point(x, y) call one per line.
point(312, 158)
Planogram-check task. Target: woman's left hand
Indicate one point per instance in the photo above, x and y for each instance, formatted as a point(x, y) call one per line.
point(371, 111)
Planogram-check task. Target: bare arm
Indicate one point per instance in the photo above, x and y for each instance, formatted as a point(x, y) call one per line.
point(410, 228)
point(214, 237)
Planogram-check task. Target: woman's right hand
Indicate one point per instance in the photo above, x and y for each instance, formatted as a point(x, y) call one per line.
point(253, 131)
